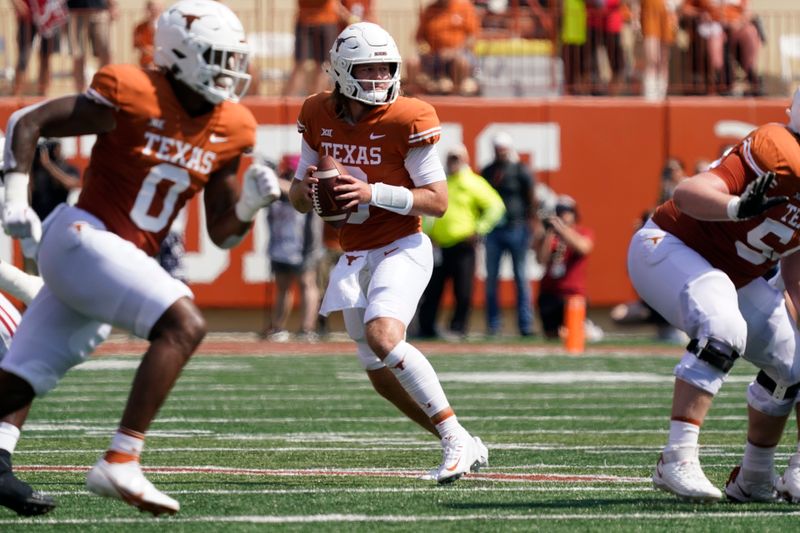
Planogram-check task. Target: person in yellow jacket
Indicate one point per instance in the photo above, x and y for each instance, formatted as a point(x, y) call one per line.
point(474, 209)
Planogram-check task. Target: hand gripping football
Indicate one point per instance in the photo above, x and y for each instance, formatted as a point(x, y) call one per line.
point(323, 196)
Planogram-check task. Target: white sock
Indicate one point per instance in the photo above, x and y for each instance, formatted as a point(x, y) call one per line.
point(448, 426)
point(418, 378)
point(127, 441)
point(682, 434)
point(9, 435)
point(758, 458)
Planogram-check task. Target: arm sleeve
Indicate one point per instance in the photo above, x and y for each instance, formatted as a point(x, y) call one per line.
point(424, 166)
point(308, 157)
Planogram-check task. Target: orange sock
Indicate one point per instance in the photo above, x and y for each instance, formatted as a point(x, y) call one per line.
point(113, 456)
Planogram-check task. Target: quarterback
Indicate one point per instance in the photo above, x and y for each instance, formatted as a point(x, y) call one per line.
point(162, 136)
point(386, 142)
point(700, 263)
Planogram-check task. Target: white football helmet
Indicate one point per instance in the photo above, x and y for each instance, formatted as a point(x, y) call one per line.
point(360, 43)
point(202, 43)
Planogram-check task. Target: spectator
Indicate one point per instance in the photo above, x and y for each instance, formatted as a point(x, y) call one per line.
point(744, 42)
point(672, 174)
point(445, 38)
point(705, 23)
point(605, 25)
point(89, 25)
point(574, 48)
point(53, 178)
point(315, 32)
point(352, 11)
point(563, 249)
point(144, 32)
point(29, 25)
point(513, 234)
point(474, 208)
point(294, 251)
point(659, 24)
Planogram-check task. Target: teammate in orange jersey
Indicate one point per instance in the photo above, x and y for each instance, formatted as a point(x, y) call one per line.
point(386, 142)
point(162, 136)
point(699, 263)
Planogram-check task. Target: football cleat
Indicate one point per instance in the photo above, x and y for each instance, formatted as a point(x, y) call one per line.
point(788, 485)
point(678, 471)
point(483, 461)
point(461, 454)
point(751, 486)
point(17, 495)
point(126, 482)
point(483, 455)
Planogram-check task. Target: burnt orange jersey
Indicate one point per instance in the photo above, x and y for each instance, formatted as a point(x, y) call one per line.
point(373, 150)
point(142, 172)
point(748, 249)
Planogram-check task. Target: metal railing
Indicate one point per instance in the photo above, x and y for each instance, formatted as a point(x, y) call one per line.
point(504, 67)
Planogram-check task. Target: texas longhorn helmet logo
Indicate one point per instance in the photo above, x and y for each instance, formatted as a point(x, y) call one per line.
point(190, 20)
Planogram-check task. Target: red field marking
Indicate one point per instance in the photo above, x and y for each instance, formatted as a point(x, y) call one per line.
point(279, 472)
point(246, 347)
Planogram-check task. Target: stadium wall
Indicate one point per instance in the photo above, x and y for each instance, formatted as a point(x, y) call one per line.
point(607, 153)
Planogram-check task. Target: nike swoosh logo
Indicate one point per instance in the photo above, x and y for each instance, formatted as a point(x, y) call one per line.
point(455, 465)
point(214, 139)
point(387, 252)
point(374, 136)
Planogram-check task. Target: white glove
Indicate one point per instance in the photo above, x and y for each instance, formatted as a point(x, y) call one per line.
point(260, 189)
point(19, 219)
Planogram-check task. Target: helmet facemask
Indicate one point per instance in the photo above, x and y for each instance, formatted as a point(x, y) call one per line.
point(375, 91)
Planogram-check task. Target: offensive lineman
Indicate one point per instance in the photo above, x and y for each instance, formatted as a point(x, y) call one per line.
point(163, 135)
point(699, 262)
point(386, 142)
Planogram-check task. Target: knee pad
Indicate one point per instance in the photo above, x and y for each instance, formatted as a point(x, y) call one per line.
point(706, 364)
point(716, 353)
point(770, 397)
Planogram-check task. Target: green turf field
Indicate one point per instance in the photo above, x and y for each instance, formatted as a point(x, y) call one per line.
point(302, 443)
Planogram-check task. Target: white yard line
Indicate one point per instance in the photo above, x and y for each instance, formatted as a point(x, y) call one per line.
point(358, 518)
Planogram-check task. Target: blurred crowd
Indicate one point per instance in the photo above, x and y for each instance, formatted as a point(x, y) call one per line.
point(597, 47)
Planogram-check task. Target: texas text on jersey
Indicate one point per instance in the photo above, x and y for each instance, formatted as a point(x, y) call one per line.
point(158, 156)
point(372, 150)
point(747, 249)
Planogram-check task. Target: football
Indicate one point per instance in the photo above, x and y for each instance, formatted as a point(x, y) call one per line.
point(323, 196)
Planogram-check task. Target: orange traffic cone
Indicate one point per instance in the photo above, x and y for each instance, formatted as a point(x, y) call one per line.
point(574, 318)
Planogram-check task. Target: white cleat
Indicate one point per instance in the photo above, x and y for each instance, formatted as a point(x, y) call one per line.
point(788, 485)
point(126, 482)
point(482, 462)
point(483, 455)
point(745, 486)
point(461, 455)
point(678, 471)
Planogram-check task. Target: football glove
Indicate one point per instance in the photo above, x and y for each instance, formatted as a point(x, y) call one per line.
point(753, 200)
point(19, 219)
point(260, 189)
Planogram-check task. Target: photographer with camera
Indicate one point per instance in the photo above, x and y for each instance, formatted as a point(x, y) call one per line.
point(563, 250)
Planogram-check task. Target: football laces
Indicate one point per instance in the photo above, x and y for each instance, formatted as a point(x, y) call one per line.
point(315, 199)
